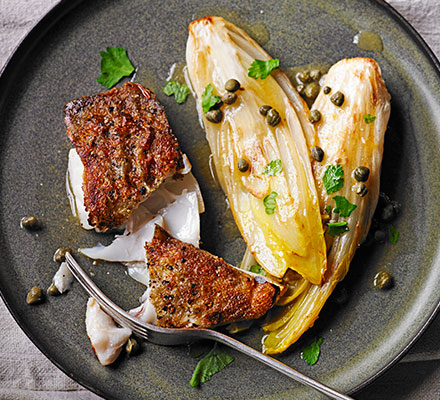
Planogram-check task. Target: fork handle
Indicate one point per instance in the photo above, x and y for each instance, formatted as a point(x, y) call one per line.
point(275, 364)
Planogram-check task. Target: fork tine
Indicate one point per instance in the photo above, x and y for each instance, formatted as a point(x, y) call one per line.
point(117, 313)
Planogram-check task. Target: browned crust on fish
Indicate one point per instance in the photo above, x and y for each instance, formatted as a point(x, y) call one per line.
point(127, 148)
point(191, 288)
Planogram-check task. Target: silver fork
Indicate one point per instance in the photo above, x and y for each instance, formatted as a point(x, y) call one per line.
point(172, 337)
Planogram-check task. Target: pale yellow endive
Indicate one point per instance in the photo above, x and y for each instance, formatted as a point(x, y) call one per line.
point(293, 236)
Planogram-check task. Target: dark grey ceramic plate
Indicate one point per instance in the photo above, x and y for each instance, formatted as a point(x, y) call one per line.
point(59, 61)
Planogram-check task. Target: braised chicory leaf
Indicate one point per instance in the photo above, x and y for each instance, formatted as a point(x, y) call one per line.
point(209, 365)
point(115, 64)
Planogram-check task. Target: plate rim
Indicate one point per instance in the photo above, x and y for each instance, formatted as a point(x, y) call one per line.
point(64, 7)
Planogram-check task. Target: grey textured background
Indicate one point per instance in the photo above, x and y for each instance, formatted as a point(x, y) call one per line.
point(26, 374)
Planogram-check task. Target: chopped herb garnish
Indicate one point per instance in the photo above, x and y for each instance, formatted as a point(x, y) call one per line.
point(209, 365)
point(261, 69)
point(394, 235)
point(273, 168)
point(311, 354)
point(270, 203)
point(343, 206)
point(257, 269)
point(114, 66)
point(369, 118)
point(208, 100)
point(337, 228)
point(333, 178)
point(179, 90)
point(328, 209)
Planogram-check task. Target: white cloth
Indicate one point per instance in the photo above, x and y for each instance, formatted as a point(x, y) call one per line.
point(25, 373)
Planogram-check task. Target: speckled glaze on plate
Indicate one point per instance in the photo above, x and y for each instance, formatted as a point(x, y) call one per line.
point(59, 60)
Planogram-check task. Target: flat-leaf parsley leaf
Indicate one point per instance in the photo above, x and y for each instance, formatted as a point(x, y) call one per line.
point(394, 235)
point(333, 178)
point(209, 365)
point(369, 118)
point(257, 269)
point(270, 203)
point(208, 100)
point(311, 354)
point(179, 90)
point(114, 66)
point(261, 69)
point(337, 228)
point(273, 168)
point(343, 206)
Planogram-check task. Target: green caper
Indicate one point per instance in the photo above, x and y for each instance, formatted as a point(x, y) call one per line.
point(264, 109)
point(30, 223)
point(337, 99)
point(53, 290)
point(312, 90)
point(214, 116)
point(132, 347)
point(301, 88)
point(327, 89)
point(314, 116)
point(273, 117)
point(315, 74)
point(383, 280)
point(317, 153)
point(60, 254)
point(360, 189)
point(35, 295)
point(303, 77)
point(388, 213)
point(232, 85)
point(242, 165)
point(229, 98)
point(361, 174)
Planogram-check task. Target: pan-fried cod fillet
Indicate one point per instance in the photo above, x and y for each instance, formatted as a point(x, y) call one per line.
point(127, 148)
point(191, 288)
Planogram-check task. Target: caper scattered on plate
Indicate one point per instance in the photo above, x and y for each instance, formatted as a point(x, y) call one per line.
point(273, 117)
point(361, 174)
point(327, 89)
point(383, 280)
point(315, 74)
point(317, 153)
point(264, 109)
point(30, 223)
point(229, 98)
point(380, 236)
point(214, 116)
point(312, 90)
point(303, 76)
point(60, 254)
point(232, 85)
point(314, 116)
point(337, 99)
point(35, 295)
point(53, 290)
point(132, 347)
point(360, 189)
point(242, 165)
